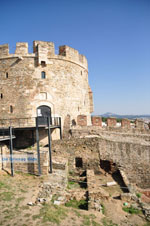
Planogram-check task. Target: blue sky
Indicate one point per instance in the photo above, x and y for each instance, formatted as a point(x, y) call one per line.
point(114, 35)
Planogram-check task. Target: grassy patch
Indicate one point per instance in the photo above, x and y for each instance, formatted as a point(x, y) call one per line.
point(25, 207)
point(27, 215)
point(25, 174)
point(88, 220)
point(18, 200)
point(77, 213)
point(103, 209)
point(23, 191)
point(4, 185)
point(72, 184)
point(131, 210)
point(54, 197)
point(51, 213)
point(107, 222)
point(147, 224)
point(6, 196)
point(82, 204)
point(94, 223)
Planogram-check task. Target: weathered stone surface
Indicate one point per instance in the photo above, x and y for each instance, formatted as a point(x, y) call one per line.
point(126, 197)
point(65, 88)
point(111, 122)
point(96, 121)
point(130, 155)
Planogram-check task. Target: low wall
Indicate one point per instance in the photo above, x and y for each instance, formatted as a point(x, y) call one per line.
point(25, 161)
point(110, 131)
point(131, 157)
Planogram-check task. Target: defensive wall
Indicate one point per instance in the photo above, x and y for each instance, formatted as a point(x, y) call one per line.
point(42, 78)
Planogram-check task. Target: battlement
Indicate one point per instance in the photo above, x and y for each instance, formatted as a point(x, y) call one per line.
point(72, 54)
point(4, 50)
point(21, 48)
point(44, 51)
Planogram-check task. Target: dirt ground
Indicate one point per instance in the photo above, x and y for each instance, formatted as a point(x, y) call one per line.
point(16, 192)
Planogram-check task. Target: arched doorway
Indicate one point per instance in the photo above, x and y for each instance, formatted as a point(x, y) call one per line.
point(43, 112)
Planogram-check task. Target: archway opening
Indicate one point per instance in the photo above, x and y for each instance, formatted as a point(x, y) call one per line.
point(43, 112)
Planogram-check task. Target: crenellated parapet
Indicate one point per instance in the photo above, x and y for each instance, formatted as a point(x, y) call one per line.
point(21, 48)
point(4, 50)
point(72, 54)
point(44, 52)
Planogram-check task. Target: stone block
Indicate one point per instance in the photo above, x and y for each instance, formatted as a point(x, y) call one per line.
point(96, 121)
point(125, 123)
point(111, 122)
point(126, 197)
point(82, 120)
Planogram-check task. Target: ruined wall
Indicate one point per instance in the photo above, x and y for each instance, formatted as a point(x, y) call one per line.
point(132, 157)
point(64, 89)
point(86, 149)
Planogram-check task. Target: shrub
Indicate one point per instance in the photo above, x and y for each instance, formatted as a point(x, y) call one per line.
point(131, 210)
point(138, 195)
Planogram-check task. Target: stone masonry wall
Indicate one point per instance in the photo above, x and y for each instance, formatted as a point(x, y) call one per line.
point(23, 161)
point(65, 88)
point(133, 158)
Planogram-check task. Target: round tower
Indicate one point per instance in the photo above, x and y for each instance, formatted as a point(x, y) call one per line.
point(44, 83)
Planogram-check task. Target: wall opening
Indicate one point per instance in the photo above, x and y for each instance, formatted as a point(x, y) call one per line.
point(73, 122)
point(111, 168)
point(43, 63)
point(43, 75)
point(1, 96)
point(6, 74)
point(43, 112)
point(105, 165)
point(78, 162)
point(118, 178)
point(11, 109)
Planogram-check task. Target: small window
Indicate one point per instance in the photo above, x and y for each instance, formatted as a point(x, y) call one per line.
point(81, 72)
point(11, 109)
point(43, 63)
point(43, 75)
point(78, 162)
point(1, 96)
point(7, 75)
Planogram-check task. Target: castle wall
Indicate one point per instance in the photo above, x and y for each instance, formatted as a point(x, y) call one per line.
point(65, 88)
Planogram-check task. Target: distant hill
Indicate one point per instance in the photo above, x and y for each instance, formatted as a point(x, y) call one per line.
point(109, 114)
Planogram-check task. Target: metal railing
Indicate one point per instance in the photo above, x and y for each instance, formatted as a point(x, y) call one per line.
point(5, 133)
point(29, 122)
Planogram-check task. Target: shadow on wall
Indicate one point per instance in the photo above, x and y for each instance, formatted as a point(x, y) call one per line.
point(27, 138)
point(111, 168)
point(31, 165)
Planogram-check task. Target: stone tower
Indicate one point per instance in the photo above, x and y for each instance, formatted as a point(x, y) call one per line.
point(30, 81)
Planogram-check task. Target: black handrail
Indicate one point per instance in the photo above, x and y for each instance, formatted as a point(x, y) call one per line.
point(29, 122)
